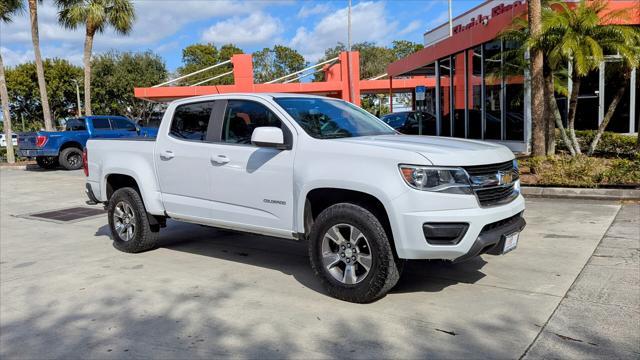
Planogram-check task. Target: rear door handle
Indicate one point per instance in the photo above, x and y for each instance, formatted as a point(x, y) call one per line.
point(220, 159)
point(167, 155)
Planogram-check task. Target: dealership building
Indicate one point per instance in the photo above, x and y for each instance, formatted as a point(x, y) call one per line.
point(463, 81)
point(475, 93)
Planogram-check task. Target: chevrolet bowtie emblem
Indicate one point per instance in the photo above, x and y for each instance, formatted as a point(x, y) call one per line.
point(504, 178)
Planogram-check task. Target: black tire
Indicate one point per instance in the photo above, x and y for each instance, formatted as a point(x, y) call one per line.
point(47, 162)
point(144, 235)
point(384, 271)
point(71, 158)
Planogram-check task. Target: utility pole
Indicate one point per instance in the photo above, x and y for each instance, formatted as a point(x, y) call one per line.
point(78, 96)
point(450, 19)
point(349, 78)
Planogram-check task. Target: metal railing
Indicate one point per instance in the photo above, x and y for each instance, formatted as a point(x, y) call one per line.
point(195, 73)
point(302, 71)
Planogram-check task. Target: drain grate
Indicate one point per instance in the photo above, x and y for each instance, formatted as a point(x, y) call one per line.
point(67, 215)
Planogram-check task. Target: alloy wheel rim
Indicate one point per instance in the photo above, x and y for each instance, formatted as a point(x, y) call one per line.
point(346, 254)
point(124, 221)
point(73, 159)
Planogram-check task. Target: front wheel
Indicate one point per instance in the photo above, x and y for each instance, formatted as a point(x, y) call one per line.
point(351, 254)
point(129, 224)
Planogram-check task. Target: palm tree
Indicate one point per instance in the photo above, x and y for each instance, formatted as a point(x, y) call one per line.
point(42, 83)
point(575, 35)
point(8, 8)
point(538, 128)
point(96, 15)
point(518, 33)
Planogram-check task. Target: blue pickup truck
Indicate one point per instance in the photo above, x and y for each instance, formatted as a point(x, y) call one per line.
point(53, 148)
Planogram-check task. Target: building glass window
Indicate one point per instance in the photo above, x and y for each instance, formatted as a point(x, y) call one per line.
point(493, 89)
point(614, 77)
point(588, 102)
point(445, 96)
point(513, 68)
point(474, 92)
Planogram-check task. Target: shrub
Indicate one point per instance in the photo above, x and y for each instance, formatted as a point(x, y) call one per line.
point(613, 144)
point(580, 171)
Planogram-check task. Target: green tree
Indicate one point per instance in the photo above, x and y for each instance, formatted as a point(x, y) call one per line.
point(270, 64)
point(576, 35)
point(23, 89)
point(96, 16)
point(404, 48)
point(42, 85)
point(199, 56)
point(116, 74)
point(8, 9)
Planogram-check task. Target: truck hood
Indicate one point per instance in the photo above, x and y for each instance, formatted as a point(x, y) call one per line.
point(443, 151)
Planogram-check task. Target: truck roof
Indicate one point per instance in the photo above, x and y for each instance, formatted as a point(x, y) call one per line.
point(266, 96)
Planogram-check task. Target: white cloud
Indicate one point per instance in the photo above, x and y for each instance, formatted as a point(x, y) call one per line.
point(155, 20)
point(257, 28)
point(412, 26)
point(306, 11)
point(369, 22)
point(12, 57)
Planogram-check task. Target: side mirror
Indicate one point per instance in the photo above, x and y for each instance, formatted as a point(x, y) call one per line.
point(268, 136)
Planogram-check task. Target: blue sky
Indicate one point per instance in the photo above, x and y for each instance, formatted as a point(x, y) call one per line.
point(167, 26)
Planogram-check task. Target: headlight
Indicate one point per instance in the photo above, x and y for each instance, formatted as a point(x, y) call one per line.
point(441, 179)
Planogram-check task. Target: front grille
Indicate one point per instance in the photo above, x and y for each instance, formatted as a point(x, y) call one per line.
point(493, 194)
point(492, 169)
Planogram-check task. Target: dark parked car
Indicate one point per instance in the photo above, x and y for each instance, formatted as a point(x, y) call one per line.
point(409, 122)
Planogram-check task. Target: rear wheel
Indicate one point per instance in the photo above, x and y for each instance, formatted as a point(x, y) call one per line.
point(351, 254)
point(47, 162)
point(71, 158)
point(129, 224)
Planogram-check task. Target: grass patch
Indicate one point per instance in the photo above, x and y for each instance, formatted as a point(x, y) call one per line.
point(580, 171)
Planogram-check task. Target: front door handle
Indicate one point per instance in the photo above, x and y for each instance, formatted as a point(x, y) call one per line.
point(167, 155)
point(220, 159)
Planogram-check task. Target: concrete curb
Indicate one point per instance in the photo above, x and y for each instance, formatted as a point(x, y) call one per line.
point(581, 193)
point(15, 167)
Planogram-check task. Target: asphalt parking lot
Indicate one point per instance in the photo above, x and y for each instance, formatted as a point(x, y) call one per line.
point(570, 289)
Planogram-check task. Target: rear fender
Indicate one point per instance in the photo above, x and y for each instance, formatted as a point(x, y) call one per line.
point(144, 176)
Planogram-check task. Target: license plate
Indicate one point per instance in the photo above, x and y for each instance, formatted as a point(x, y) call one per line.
point(510, 242)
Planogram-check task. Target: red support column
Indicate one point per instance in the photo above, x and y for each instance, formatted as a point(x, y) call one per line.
point(243, 72)
point(390, 94)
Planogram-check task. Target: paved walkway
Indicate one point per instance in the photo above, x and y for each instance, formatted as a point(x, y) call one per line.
point(66, 293)
point(600, 315)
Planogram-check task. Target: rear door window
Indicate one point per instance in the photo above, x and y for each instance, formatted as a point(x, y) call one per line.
point(122, 124)
point(190, 121)
point(101, 124)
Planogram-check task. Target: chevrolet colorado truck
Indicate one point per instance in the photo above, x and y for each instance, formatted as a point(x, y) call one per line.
point(363, 196)
point(53, 148)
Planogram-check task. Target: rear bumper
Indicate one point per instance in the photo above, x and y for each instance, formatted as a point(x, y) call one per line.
point(37, 152)
point(92, 197)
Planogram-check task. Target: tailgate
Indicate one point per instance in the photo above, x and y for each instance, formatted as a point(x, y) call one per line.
point(27, 141)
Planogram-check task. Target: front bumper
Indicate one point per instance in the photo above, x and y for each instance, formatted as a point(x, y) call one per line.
point(409, 235)
point(36, 152)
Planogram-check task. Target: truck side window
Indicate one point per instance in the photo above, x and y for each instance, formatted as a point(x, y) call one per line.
point(101, 124)
point(123, 124)
point(242, 117)
point(190, 121)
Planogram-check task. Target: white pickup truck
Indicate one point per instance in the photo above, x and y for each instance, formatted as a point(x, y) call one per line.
point(312, 168)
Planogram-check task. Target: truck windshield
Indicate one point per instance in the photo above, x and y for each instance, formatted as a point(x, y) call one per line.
point(332, 119)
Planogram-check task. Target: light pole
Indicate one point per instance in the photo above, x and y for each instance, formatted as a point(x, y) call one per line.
point(78, 96)
point(349, 77)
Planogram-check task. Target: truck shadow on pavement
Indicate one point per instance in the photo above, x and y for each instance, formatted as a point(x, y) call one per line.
point(291, 257)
